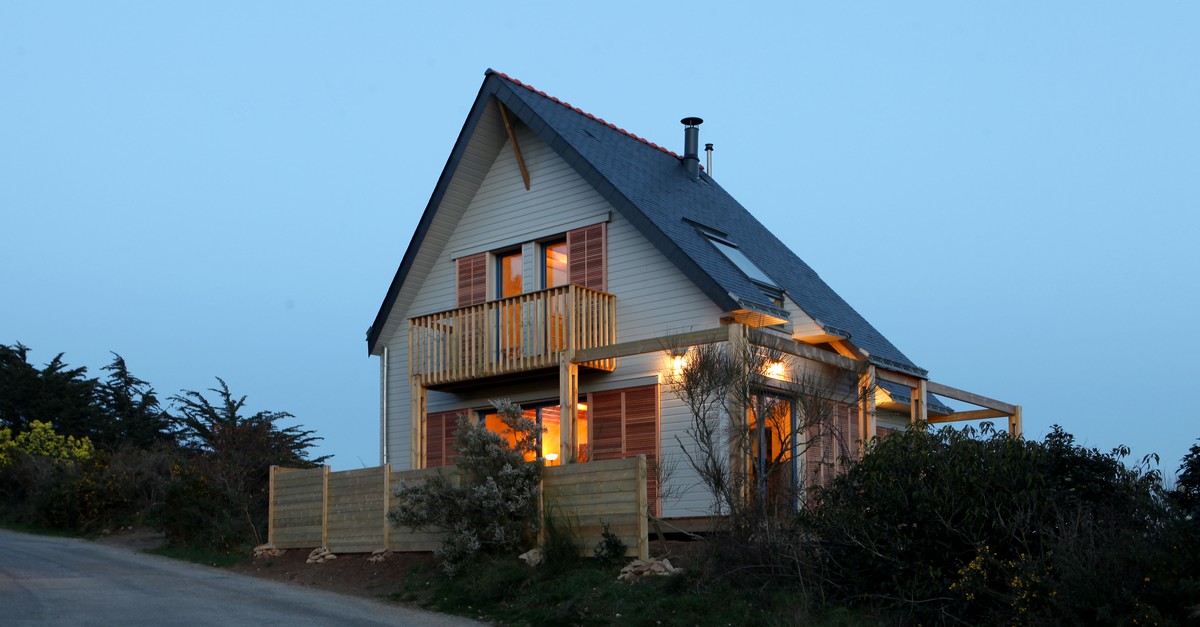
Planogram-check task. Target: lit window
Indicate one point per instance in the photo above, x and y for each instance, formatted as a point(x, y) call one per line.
point(558, 270)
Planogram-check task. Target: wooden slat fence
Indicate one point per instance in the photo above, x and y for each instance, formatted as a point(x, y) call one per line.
point(346, 511)
point(592, 494)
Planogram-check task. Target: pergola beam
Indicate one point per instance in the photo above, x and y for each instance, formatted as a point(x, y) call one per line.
point(972, 398)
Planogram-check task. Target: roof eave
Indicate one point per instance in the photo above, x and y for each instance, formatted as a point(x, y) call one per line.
point(487, 89)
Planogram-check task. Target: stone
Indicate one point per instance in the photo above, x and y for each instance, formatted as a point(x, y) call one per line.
point(533, 557)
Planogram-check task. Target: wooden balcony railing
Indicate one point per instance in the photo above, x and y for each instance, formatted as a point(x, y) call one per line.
point(511, 335)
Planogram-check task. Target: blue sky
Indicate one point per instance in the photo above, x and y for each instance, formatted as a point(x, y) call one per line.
point(1009, 192)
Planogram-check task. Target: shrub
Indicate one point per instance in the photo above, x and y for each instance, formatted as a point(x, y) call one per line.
point(610, 548)
point(561, 547)
point(988, 529)
point(495, 509)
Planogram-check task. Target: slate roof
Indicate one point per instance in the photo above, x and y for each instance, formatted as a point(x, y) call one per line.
point(651, 188)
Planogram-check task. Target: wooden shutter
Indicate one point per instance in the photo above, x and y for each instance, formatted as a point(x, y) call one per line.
point(472, 280)
point(608, 425)
point(829, 444)
point(625, 424)
point(439, 438)
point(587, 252)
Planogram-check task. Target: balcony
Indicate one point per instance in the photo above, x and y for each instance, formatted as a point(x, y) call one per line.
point(512, 335)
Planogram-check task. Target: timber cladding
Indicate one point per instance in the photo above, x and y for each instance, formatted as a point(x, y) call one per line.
point(588, 496)
point(346, 511)
point(296, 518)
point(357, 510)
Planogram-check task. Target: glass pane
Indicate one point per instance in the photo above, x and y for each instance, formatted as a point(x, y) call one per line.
point(581, 431)
point(558, 272)
point(743, 263)
point(552, 435)
point(774, 440)
point(495, 425)
point(511, 275)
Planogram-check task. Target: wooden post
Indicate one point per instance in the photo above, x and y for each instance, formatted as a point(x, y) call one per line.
point(387, 505)
point(271, 505)
point(325, 506)
point(568, 397)
point(869, 404)
point(738, 345)
point(416, 417)
point(920, 401)
point(1015, 426)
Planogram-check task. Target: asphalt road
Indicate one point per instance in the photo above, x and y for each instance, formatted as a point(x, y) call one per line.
point(65, 581)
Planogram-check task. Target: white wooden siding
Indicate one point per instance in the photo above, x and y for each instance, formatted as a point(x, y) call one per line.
point(653, 297)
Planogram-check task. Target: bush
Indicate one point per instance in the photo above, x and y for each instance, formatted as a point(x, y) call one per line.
point(988, 529)
point(495, 509)
point(611, 548)
point(561, 547)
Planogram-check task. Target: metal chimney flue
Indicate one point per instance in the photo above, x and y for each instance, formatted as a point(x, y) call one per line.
point(691, 146)
point(708, 158)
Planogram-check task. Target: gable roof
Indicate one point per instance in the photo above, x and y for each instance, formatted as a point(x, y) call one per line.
point(651, 188)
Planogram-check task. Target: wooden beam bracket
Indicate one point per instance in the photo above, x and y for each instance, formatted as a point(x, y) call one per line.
point(512, 137)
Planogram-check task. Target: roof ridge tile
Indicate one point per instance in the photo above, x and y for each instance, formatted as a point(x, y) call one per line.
point(584, 113)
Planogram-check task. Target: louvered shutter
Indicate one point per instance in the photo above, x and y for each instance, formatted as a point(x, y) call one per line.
point(823, 458)
point(624, 424)
point(472, 280)
point(439, 438)
point(608, 429)
point(587, 249)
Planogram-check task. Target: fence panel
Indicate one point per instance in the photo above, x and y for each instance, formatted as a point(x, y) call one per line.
point(589, 495)
point(357, 510)
point(347, 510)
point(297, 507)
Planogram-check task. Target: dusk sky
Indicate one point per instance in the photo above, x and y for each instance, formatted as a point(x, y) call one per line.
point(1009, 192)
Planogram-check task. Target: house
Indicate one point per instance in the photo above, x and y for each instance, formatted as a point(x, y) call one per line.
point(559, 255)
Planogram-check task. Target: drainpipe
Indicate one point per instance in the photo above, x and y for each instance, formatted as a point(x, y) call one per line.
point(383, 412)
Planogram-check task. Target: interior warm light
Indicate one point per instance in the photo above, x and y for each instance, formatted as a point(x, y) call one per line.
point(551, 457)
point(776, 370)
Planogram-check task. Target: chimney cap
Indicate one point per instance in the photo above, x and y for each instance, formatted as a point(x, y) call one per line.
point(691, 121)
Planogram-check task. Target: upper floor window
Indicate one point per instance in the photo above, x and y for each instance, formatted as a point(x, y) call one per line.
point(511, 274)
point(578, 259)
point(557, 269)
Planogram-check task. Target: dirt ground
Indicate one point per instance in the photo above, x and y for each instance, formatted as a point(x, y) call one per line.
point(350, 574)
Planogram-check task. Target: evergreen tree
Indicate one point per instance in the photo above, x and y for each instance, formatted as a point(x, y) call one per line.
point(129, 411)
point(56, 394)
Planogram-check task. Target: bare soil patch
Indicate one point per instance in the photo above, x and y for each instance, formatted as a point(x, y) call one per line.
point(400, 576)
point(135, 538)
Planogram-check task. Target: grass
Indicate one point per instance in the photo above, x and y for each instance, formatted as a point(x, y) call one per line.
point(37, 530)
point(208, 557)
point(507, 592)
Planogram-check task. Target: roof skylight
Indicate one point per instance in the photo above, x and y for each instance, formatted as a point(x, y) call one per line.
point(743, 263)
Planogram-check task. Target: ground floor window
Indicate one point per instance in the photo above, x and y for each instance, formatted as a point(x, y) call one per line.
point(550, 419)
point(772, 443)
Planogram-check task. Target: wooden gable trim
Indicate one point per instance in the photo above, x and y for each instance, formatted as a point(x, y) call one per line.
point(512, 137)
